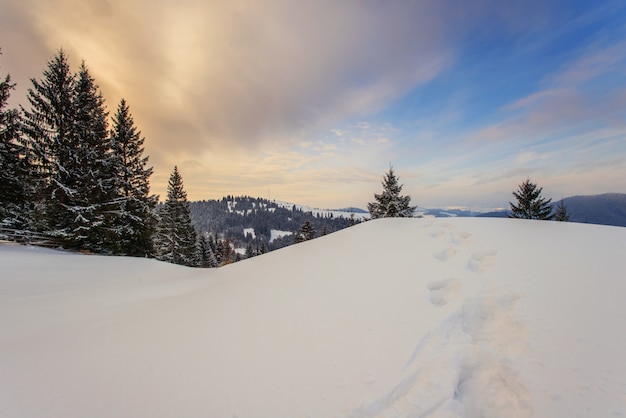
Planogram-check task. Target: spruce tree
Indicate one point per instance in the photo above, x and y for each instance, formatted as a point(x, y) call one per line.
point(205, 253)
point(219, 252)
point(250, 250)
point(390, 204)
point(226, 252)
point(561, 214)
point(176, 236)
point(530, 204)
point(90, 173)
point(49, 126)
point(305, 233)
point(136, 222)
point(13, 164)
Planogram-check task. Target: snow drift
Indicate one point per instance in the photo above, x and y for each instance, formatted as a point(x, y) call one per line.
point(390, 318)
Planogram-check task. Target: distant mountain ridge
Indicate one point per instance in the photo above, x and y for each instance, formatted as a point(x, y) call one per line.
point(351, 209)
point(602, 209)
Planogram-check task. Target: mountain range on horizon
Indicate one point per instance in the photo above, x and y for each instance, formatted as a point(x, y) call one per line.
point(601, 209)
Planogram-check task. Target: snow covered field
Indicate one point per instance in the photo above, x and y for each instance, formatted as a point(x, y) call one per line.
point(461, 317)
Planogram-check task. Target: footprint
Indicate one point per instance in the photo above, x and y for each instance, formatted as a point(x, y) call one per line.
point(369, 378)
point(442, 291)
point(480, 261)
point(460, 238)
point(446, 254)
point(437, 234)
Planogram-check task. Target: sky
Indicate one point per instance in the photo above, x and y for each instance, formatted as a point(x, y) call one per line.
point(311, 102)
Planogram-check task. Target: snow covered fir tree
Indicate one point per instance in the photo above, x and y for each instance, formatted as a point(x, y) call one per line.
point(90, 204)
point(305, 233)
point(13, 164)
point(176, 237)
point(390, 204)
point(530, 204)
point(206, 251)
point(137, 221)
point(78, 185)
point(561, 214)
point(48, 126)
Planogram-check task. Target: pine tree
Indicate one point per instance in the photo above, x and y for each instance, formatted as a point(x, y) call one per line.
point(136, 222)
point(390, 204)
point(561, 214)
point(219, 252)
point(176, 236)
point(93, 205)
point(206, 254)
point(305, 233)
point(49, 126)
point(213, 247)
point(250, 251)
point(13, 164)
point(530, 204)
point(227, 254)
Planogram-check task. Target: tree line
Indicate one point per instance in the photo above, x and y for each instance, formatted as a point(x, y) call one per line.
point(72, 177)
point(68, 176)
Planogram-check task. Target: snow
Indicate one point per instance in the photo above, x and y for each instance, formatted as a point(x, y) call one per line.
point(276, 233)
point(446, 317)
point(250, 231)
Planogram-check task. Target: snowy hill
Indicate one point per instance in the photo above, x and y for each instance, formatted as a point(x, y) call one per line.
point(461, 317)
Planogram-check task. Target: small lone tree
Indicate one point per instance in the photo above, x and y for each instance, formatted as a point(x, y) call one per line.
point(390, 204)
point(530, 204)
point(561, 214)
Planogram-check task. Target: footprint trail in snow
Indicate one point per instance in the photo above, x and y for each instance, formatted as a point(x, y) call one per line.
point(474, 347)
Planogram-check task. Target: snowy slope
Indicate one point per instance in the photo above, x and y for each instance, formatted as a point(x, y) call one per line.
point(462, 317)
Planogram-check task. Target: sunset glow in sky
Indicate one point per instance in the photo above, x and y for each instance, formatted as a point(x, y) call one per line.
point(310, 101)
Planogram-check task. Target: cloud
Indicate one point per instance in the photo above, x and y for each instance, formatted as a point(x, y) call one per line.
point(596, 61)
point(249, 94)
point(204, 75)
point(525, 157)
point(585, 94)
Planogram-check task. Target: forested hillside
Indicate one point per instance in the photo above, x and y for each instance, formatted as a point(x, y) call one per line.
point(262, 223)
point(603, 209)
